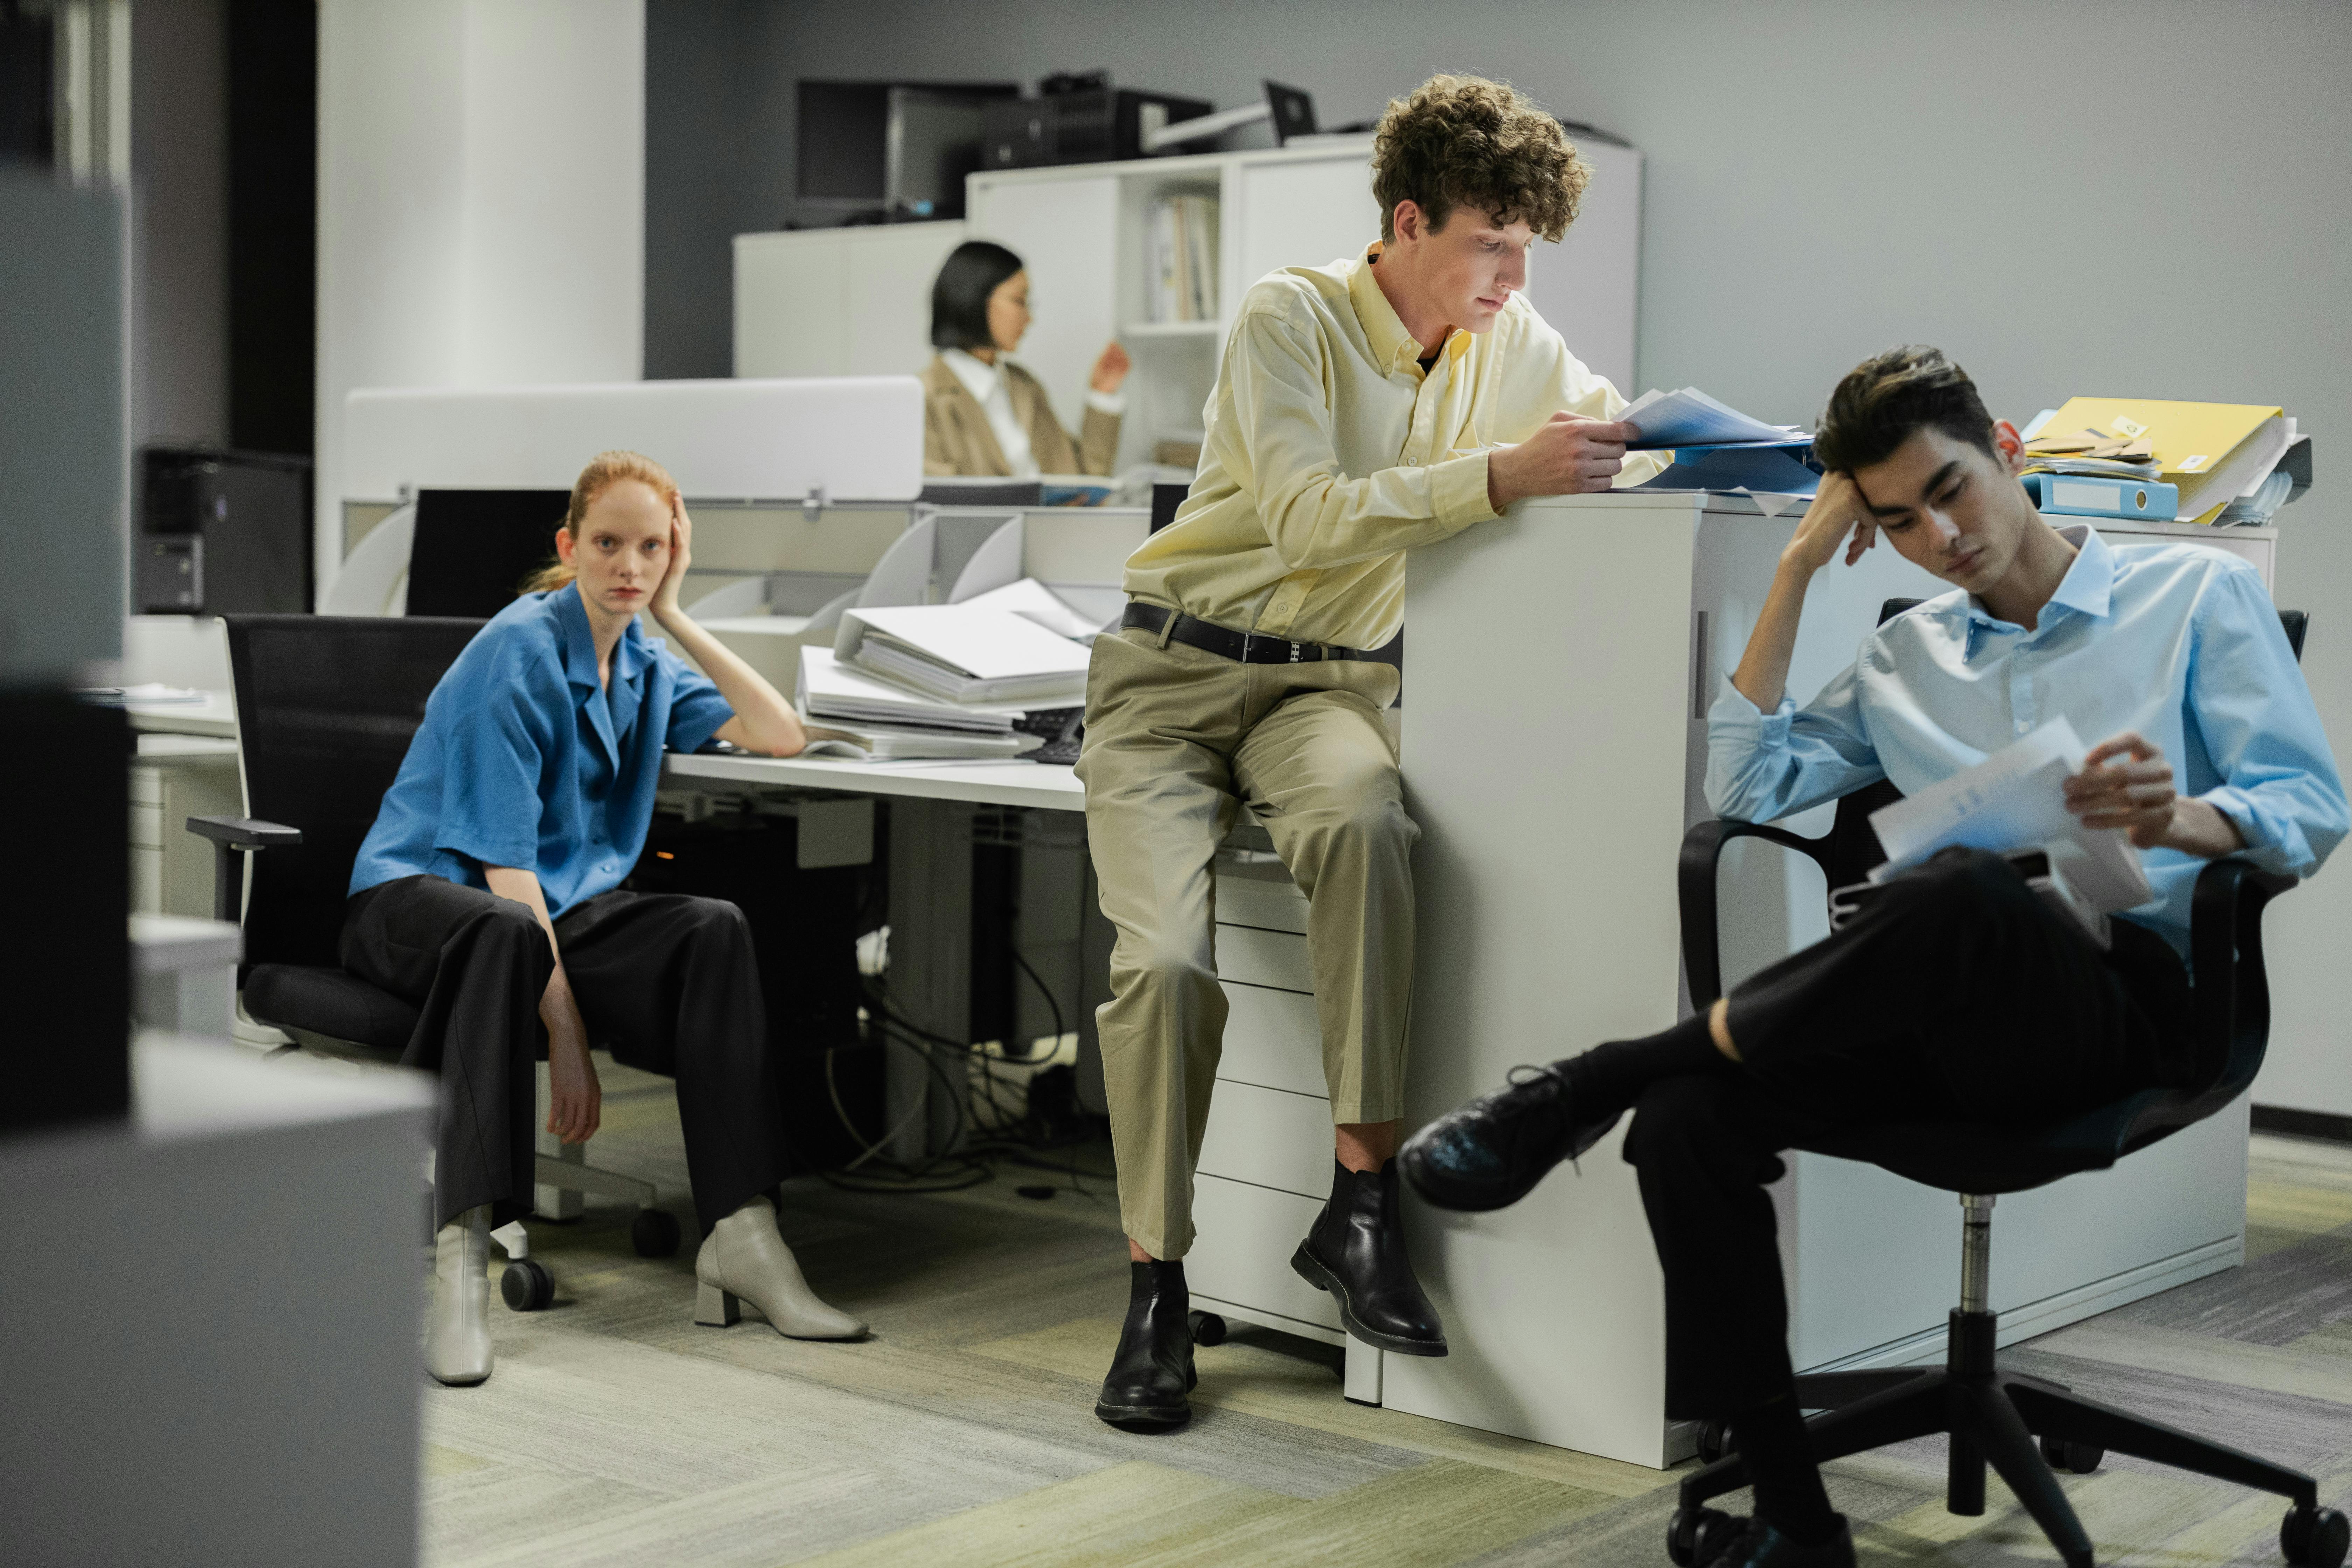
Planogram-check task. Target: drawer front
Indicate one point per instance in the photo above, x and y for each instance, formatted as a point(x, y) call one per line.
point(1242, 1254)
point(1272, 901)
point(1255, 957)
point(146, 787)
point(147, 825)
point(1272, 1039)
point(1270, 1139)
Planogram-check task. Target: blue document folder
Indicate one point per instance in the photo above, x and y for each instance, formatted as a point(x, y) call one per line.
point(1783, 469)
point(2098, 495)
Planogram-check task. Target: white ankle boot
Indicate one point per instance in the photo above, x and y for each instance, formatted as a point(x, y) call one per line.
point(457, 1331)
point(744, 1255)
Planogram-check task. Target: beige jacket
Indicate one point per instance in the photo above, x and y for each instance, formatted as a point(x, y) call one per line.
point(957, 439)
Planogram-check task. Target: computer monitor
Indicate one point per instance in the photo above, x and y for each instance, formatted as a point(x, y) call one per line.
point(1290, 111)
point(473, 549)
point(897, 148)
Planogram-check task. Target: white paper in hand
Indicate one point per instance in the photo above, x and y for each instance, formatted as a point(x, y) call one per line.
point(2016, 799)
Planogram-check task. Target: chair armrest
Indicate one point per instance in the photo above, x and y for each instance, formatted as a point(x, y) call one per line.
point(243, 832)
point(231, 835)
point(1695, 889)
point(2233, 988)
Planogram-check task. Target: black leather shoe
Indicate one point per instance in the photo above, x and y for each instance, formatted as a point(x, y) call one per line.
point(1152, 1372)
point(1490, 1153)
point(1757, 1544)
point(1356, 1251)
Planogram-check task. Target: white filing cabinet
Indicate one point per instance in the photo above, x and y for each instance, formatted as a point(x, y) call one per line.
point(1266, 1160)
point(173, 778)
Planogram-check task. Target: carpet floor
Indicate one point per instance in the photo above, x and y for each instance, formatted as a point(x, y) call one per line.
point(962, 1435)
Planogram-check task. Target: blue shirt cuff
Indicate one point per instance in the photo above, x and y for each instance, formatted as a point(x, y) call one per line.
point(2238, 807)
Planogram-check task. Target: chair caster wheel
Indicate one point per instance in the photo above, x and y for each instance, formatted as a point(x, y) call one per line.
point(1697, 1534)
point(654, 1233)
point(2315, 1538)
point(527, 1285)
point(1715, 1440)
point(1208, 1328)
point(2063, 1454)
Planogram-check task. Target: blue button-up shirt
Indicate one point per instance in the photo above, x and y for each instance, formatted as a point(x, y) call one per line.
point(526, 760)
point(2180, 643)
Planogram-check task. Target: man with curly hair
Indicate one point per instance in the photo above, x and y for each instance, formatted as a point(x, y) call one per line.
point(1384, 401)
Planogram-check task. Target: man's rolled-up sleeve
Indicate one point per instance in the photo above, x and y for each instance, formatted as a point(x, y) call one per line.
point(1763, 766)
point(2253, 712)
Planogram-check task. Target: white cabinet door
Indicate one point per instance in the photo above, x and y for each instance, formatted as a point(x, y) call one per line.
point(1589, 284)
point(789, 292)
point(1295, 214)
point(1064, 232)
point(890, 273)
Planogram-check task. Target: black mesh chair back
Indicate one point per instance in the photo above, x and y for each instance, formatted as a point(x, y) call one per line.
point(326, 706)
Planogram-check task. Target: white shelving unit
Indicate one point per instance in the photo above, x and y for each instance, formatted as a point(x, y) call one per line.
point(856, 301)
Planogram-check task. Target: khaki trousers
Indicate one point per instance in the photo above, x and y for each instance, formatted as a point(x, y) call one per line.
point(1176, 739)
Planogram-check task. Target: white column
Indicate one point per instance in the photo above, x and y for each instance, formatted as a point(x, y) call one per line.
point(481, 203)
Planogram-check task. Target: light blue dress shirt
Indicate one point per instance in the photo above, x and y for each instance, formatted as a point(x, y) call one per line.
point(2180, 643)
point(524, 759)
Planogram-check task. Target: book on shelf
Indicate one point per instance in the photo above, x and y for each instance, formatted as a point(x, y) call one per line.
point(1180, 276)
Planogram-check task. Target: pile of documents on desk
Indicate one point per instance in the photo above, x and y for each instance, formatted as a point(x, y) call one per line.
point(947, 680)
point(1717, 448)
point(2014, 804)
point(2217, 463)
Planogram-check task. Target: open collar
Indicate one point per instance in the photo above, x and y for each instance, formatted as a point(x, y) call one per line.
point(609, 713)
point(2088, 588)
point(1392, 345)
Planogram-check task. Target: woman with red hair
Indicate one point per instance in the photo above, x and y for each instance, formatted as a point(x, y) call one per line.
point(488, 894)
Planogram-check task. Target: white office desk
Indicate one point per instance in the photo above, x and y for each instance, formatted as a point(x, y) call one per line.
point(1012, 781)
point(215, 715)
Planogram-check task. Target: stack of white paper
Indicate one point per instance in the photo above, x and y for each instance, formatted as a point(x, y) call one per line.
point(833, 693)
point(1033, 601)
point(2015, 799)
point(884, 743)
point(965, 653)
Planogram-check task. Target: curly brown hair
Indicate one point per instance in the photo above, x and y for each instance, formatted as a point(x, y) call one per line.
point(1462, 141)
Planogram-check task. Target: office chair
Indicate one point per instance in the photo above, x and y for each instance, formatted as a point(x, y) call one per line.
point(1993, 1417)
point(325, 706)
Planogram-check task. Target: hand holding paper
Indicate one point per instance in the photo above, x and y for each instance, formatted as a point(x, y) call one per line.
point(2137, 796)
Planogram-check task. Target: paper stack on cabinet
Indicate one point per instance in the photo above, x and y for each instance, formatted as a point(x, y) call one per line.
point(1717, 448)
point(850, 712)
point(2233, 462)
point(965, 653)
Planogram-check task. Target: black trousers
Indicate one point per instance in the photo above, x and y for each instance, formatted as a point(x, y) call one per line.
point(665, 982)
point(1958, 997)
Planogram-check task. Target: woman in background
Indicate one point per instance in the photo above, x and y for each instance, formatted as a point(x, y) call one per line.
point(489, 895)
point(984, 415)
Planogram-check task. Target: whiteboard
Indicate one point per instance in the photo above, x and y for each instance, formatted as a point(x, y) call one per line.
point(852, 438)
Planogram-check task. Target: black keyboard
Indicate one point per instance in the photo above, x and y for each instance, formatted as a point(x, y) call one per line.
point(1062, 728)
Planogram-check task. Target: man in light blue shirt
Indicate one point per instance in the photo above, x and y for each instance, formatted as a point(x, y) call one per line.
point(1958, 993)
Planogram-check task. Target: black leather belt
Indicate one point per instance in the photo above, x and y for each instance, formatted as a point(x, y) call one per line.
point(1244, 647)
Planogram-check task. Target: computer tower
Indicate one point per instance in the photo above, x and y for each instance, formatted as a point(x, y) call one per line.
point(222, 532)
point(805, 923)
point(1092, 124)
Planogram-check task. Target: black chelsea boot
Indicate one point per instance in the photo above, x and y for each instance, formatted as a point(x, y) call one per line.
point(1356, 1251)
point(1152, 1372)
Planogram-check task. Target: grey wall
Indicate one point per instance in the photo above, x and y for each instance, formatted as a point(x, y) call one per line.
point(179, 227)
point(2101, 197)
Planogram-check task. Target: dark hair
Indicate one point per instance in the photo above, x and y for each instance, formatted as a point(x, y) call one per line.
point(1887, 397)
point(1462, 141)
point(959, 296)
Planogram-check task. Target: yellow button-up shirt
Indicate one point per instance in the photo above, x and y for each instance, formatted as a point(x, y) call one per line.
point(1330, 453)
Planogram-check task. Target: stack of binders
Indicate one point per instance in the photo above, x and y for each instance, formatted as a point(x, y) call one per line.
point(2227, 463)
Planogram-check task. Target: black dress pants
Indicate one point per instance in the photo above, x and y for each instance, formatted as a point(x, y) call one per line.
point(666, 983)
point(1957, 996)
